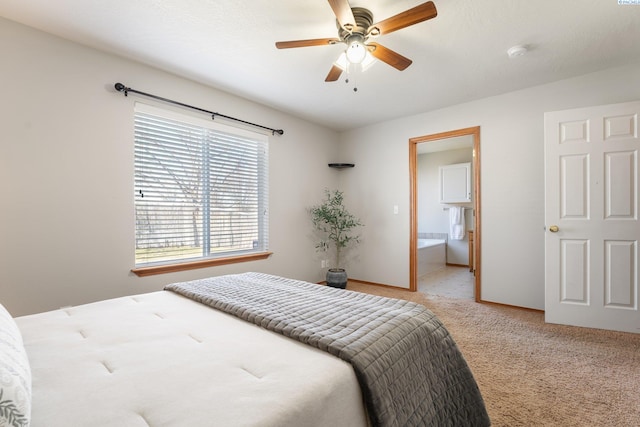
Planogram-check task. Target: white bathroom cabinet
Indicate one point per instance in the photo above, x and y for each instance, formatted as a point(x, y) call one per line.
point(455, 183)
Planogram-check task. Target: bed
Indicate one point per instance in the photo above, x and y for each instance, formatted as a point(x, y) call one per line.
point(238, 350)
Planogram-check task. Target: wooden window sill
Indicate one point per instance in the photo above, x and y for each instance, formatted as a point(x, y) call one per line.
point(212, 262)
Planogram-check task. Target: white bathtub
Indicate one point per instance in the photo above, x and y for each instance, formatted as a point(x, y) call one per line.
point(432, 255)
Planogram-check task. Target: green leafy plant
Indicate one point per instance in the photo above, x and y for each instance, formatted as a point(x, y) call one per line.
point(336, 223)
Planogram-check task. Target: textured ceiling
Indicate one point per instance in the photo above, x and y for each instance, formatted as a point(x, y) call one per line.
point(458, 56)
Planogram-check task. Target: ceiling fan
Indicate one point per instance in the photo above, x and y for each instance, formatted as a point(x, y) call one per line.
point(356, 28)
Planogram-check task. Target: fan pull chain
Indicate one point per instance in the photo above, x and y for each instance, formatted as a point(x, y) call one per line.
point(347, 79)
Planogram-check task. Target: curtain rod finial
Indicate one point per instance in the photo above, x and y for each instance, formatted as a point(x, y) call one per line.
point(122, 88)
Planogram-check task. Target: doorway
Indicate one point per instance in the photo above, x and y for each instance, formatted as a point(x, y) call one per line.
point(475, 246)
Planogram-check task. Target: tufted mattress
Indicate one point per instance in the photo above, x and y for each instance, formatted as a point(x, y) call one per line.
point(160, 359)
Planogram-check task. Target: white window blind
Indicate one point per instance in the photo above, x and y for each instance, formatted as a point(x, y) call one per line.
point(201, 188)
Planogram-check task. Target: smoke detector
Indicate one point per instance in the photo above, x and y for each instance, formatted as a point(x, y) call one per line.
point(517, 51)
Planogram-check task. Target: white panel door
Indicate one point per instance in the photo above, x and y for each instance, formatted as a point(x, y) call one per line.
point(591, 217)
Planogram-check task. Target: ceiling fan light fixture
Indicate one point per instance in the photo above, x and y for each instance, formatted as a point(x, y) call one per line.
point(356, 51)
point(343, 62)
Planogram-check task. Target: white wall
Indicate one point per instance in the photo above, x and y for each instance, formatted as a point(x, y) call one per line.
point(66, 174)
point(512, 181)
point(432, 218)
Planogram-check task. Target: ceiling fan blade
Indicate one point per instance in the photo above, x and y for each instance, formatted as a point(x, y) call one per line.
point(305, 43)
point(344, 15)
point(334, 74)
point(405, 19)
point(392, 58)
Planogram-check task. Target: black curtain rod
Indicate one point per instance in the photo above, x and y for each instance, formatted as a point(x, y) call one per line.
point(122, 88)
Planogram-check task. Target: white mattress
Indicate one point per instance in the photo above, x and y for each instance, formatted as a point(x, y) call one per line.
point(160, 359)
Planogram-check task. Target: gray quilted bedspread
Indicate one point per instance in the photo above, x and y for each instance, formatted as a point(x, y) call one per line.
point(410, 370)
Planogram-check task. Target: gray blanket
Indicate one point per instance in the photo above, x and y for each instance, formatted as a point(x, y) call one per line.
point(409, 368)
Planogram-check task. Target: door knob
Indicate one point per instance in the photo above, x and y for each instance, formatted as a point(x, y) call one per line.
point(554, 229)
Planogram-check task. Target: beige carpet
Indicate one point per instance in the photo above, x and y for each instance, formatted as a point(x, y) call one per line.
point(535, 374)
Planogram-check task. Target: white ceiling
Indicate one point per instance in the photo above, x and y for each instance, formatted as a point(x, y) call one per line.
point(458, 56)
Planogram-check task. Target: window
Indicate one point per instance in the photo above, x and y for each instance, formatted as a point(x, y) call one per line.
point(201, 189)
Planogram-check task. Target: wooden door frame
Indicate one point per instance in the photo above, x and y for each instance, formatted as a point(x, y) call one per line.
point(413, 174)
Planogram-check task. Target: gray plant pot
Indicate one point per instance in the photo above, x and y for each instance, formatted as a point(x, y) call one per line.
point(337, 278)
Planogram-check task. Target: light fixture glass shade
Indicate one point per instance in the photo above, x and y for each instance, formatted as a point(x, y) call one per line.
point(356, 52)
point(342, 61)
point(367, 62)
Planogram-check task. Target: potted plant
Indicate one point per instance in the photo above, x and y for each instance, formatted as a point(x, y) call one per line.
point(336, 224)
